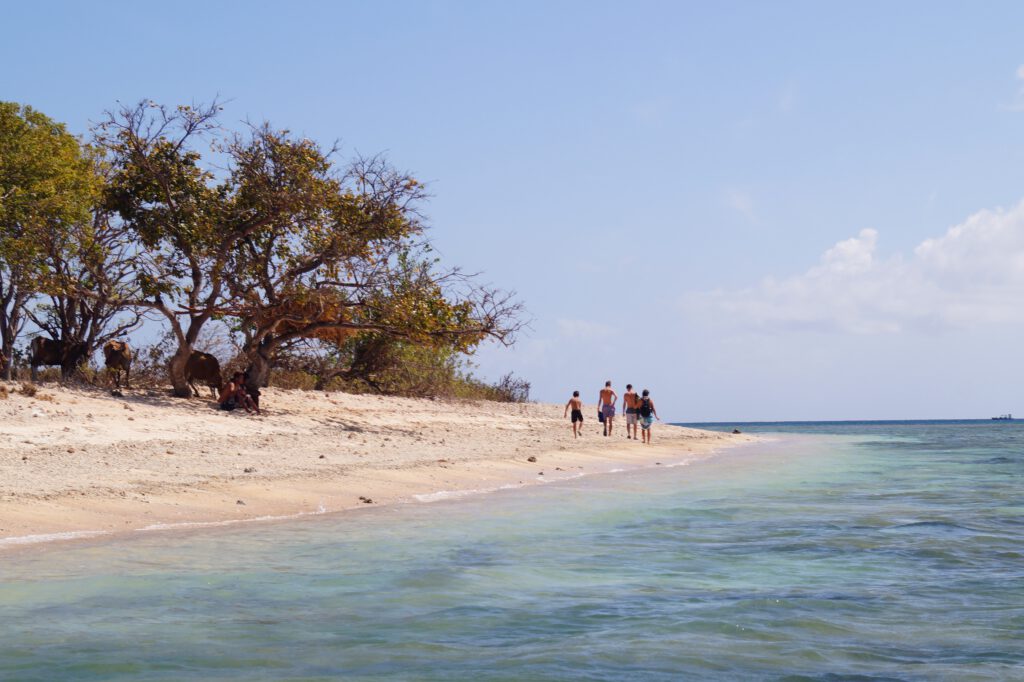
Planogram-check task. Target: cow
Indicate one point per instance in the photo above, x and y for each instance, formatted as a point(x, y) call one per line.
point(69, 355)
point(205, 368)
point(118, 357)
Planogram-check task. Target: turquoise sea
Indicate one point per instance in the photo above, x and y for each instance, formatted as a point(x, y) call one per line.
point(845, 551)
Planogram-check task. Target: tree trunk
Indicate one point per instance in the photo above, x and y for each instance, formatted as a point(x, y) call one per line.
point(176, 372)
point(259, 369)
point(8, 353)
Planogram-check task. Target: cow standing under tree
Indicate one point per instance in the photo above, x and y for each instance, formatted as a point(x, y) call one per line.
point(117, 356)
point(205, 368)
point(68, 355)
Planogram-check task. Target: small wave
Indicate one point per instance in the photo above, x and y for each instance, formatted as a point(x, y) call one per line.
point(321, 509)
point(50, 537)
point(930, 525)
point(455, 494)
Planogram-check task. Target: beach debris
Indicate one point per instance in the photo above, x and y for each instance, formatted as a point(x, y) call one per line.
point(559, 469)
point(365, 500)
point(249, 470)
point(240, 502)
point(116, 393)
point(24, 459)
point(657, 464)
point(70, 450)
point(323, 456)
point(541, 473)
point(531, 458)
point(736, 431)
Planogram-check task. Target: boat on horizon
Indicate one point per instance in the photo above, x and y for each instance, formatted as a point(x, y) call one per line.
point(1003, 418)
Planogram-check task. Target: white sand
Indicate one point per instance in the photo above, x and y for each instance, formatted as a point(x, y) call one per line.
point(85, 461)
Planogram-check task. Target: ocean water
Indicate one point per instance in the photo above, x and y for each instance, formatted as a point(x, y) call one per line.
point(871, 551)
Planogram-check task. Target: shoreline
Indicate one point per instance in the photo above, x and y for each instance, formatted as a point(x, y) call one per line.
point(77, 463)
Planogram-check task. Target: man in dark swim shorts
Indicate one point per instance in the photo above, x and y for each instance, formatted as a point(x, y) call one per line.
point(577, 413)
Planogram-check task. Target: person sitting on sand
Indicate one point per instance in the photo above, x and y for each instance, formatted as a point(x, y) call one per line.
point(647, 415)
point(606, 403)
point(630, 405)
point(577, 413)
point(251, 389)
point(234, 395)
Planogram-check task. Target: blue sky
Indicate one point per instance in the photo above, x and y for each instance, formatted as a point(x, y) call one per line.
point(728, 203)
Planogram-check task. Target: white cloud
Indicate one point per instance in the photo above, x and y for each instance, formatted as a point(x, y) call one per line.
point(786, 101)
point(570, 329)
point(742, 203)
point(971, 275)
point(1018, 101)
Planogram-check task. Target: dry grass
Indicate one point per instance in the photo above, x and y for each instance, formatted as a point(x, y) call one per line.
point(28, 390)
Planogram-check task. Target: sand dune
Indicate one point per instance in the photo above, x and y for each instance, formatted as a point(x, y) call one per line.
point(74, 459)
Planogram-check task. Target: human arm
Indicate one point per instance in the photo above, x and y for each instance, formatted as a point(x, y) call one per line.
point(654, 411)
point(226, 392)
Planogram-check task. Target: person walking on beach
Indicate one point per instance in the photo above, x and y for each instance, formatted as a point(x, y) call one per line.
point(577, 414)
point(647, 415)
point(606, 403)
point(631, 405)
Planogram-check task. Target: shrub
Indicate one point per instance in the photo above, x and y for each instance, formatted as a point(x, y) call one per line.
point(28, 389)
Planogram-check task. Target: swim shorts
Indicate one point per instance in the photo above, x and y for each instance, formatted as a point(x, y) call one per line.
point(577, 416)
point(608, 411)
point(645, 422)
point(631, 416)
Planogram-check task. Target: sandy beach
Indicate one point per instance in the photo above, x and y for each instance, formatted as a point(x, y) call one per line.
point(76, 460)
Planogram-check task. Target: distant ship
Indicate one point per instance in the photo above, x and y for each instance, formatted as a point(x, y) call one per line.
point(1004, 417)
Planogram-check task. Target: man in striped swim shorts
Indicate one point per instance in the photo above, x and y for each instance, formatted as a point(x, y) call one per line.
point(606, 403)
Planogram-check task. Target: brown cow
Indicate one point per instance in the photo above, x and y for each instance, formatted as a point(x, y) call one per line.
point(118, 358)
point(50, 352)
point(205, 368)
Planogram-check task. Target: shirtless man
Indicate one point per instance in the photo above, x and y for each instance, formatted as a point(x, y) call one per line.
point(606, 403)
point(234, 395)
point(577, 413)
point(631, 405)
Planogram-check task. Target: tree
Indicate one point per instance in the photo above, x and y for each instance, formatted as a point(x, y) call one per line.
point(280, 242)
point(173, 209)
point(46, 184)
point(85, 270)
point(345, 258)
